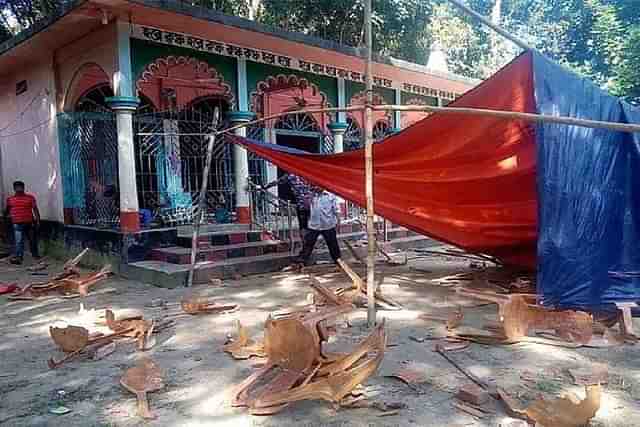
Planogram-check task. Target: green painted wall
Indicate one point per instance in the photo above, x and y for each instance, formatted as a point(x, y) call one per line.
point(143, 53)
point(257, 72)
point(427, 100)
point(353, 88)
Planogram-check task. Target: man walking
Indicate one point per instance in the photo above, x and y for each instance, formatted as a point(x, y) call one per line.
point(322, 221)
point(22, 209)
point(302, 194)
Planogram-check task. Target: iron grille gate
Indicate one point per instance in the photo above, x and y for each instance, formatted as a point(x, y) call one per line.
point(89, 164)
point(171, 150)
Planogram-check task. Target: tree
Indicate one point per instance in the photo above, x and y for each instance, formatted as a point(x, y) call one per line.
point(627, 74)
point(399, 26)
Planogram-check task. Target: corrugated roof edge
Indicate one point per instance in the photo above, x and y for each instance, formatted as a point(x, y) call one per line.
point(39, 26)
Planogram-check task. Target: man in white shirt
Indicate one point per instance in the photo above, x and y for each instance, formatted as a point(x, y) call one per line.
point(322, 221)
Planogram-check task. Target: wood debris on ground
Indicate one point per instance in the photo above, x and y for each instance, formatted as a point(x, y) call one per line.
point(596, 373)
point(69, 282)
point(242, 347)
point(297, 368)
point(565, 411)
point(145, 377)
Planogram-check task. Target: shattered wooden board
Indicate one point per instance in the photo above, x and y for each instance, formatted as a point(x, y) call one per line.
point(410, 375)
point(143, 378)
point(296, 370)
point(597, 373)
point(242, 347)
point(519, 319)
point(194, 303)
point(70, 339)
point(566, 411)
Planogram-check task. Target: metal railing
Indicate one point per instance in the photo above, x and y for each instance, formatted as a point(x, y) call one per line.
point(272, 215)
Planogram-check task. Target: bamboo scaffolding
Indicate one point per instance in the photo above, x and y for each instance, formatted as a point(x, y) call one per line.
point(368, 163)
point(500, 114)
point(202, 200)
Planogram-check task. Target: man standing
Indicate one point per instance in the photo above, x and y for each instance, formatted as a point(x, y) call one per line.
point(323, 221)
point(302, 193)
point(25, 218)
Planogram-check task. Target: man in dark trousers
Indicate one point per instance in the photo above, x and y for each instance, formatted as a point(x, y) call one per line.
point(302, 193)
point(22, 209)
point(324, 220)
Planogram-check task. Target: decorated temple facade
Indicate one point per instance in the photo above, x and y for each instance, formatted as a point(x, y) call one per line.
point(106, 110)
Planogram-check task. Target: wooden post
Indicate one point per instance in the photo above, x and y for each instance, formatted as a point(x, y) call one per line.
point(368, 159)
point(202, 200)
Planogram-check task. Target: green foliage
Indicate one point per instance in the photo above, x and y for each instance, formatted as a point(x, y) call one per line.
point(399, 26)
point(597, 38)
point(627, 73)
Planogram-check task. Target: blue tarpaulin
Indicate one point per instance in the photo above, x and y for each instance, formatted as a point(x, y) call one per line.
point(588, 193)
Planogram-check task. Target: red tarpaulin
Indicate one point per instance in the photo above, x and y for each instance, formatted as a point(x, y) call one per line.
point(466, 180)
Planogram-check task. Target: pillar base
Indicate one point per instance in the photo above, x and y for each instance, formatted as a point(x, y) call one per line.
point(243, 215)
point(129, 222)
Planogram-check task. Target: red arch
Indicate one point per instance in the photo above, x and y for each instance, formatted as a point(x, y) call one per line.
point(178, 81)
point(86, 77)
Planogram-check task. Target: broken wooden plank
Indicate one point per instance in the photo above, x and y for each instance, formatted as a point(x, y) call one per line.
point(473, 394)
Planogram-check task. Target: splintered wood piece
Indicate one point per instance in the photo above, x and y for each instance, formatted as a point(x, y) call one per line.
point(333, 388)
point(53, 364)
point(82, 284)
point(143, 378)
point(410, 376)
point(139, 329)
point(519, 319)
point(70, 339)
point(101, 350)
point(358, 283)
point(568, 411)
point(242, 346)
point(195, 304)
point(626, 319)
point(70, 267)
point(455, 319)
point(290, 345)
point(327, 294)
point(597, 373)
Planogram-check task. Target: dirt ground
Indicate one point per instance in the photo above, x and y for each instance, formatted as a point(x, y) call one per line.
point(198, 375)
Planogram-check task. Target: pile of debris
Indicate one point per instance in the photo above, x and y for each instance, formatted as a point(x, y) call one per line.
point(69, 283)
point(297, 368)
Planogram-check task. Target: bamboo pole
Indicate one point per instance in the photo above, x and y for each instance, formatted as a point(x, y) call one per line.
point(368, 159)
point(202, 199)
point(516, 115)
point(466, 9)
point(501, 114)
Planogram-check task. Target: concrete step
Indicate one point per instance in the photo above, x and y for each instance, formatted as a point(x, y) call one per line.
point(182, 255)
point(165, 274)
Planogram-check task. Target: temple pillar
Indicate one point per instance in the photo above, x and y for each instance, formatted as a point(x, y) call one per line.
point(338, 129)
point(241, 167)
point(124, 107)
point(397, 115)
point(124, 104)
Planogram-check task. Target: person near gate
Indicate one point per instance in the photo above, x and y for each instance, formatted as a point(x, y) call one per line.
point(22, 210)
point(302, 198)
point(323, 220)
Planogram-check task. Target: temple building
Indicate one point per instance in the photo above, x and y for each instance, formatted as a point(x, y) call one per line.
point(105, 110)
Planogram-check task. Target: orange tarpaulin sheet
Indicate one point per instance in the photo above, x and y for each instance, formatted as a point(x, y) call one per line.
point(462, 179)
